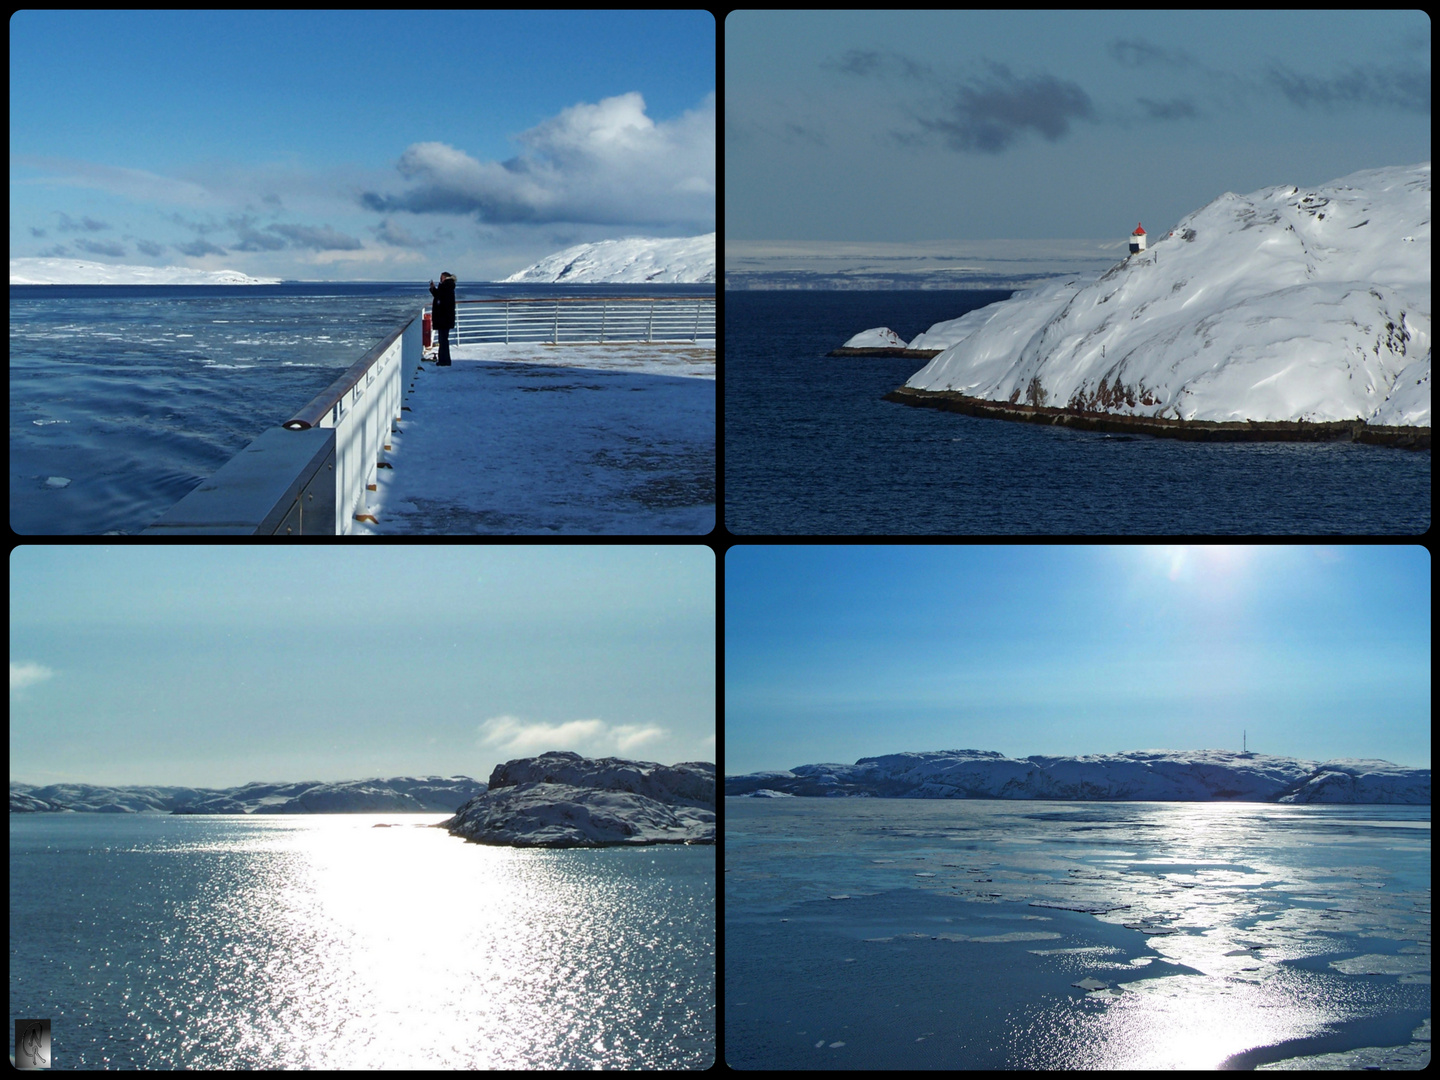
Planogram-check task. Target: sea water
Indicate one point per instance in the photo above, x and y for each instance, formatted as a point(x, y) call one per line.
point(124, 398)
point(812, 448)
point(157, 941)
point(880, 934)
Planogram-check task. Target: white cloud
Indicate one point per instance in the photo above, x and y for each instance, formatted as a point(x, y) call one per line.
point(607, 163)
point(511, 735)
point(25, 673)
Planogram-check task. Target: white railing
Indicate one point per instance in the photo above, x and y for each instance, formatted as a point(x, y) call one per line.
point(361, 406)
point(592, 319)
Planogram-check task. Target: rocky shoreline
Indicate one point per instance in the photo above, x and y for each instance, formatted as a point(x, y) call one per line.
point(1406, 438)
point(903, 354)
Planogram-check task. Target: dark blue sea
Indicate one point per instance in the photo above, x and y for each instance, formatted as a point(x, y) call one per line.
point(276, 942)
point(811, 448)
point(123, 398)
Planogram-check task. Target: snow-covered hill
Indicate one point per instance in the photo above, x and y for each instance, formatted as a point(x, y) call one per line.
point(690, 259)
point(1283, 305)
point(561, 799)
point(80, 272)
point(419, 794)
point(1158, 775)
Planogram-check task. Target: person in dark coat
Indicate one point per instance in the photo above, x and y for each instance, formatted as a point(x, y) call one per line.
point(442, 313)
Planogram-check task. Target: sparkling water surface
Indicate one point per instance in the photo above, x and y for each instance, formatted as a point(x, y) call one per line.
point(884, 933)
point(324, 942)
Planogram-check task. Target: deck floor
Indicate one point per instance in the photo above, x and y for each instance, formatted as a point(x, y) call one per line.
point(537, 439)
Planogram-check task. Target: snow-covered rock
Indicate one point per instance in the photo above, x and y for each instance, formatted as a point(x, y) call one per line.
point(1286, 304)
point(639, 259)
point(419, 794)
point(561, 799)
point(23, 803)
point(882, 337)
point(80, 272)
point(1159, 775)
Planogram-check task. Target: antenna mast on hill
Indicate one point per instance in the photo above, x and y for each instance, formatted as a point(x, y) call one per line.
point(1243, 747)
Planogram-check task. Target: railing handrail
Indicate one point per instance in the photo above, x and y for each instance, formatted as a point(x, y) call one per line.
point(589, 299)
point(314, 411)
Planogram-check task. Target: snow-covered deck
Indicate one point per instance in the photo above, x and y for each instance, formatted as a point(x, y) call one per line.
point(553, 439)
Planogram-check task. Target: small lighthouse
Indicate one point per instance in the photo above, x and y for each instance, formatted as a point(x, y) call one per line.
point(1137, 240)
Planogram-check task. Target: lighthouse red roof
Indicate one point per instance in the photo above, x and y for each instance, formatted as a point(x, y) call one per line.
point(1139, 230)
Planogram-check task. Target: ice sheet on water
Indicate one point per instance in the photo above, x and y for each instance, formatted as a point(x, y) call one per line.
point(1277, 932)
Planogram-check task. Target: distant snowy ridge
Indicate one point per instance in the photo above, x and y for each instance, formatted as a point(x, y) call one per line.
point(690, 259)
point(416, 794)
point(560, 799)
point(79, 272)
point(1153, 775)
point(1287, 304)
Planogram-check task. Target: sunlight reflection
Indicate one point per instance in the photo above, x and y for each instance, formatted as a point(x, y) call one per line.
point(369, 947)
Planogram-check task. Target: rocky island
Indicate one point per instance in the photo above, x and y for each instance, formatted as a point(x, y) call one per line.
point(561, 799)
point(1141, 775)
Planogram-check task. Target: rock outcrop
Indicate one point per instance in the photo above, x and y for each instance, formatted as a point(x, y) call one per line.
point(561, 799)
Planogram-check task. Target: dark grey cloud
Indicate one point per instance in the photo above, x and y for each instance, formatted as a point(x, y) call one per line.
point(1405, 87)
point(1407, 90)
point(1136, 52)
point(199, 247)
point(85, 224)
point(95, 247)
point(249, 238)
point(388, 232)
point(323, 238)
point(988, 114)
point(865, 62)
point(1174, 109)
point(149, 247)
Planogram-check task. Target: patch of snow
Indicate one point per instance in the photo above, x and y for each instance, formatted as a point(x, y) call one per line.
point(581, 439)
point(638, 259)
point(882, 337)
point(80, 272)
point(1285, 304)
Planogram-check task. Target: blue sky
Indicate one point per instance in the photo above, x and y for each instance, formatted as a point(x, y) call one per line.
point(906, 126)
point(357, 145)
point(218, 665)
point(837, 653)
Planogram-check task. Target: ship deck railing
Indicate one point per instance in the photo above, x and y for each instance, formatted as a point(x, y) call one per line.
point(583, 320)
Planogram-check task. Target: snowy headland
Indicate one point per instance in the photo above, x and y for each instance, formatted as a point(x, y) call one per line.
point(79, 272)
point(1287, 305)
point(1139, 775)
point(561, 799)
point(662, 262)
